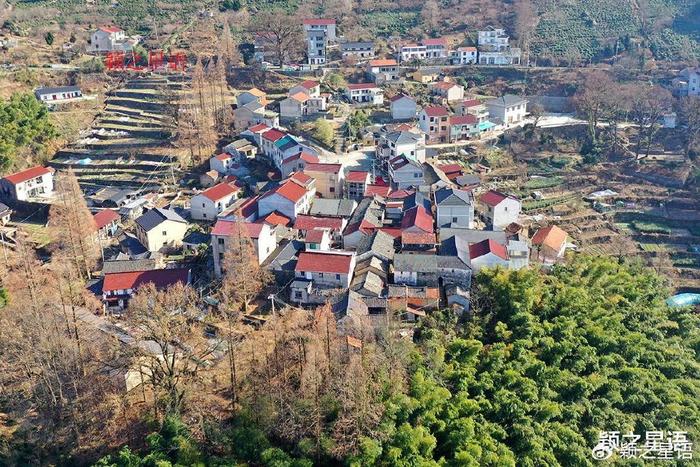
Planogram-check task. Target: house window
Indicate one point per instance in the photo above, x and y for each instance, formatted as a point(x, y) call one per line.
point(204, 215)
point(221, 241)
point(320, 274)
point(454, 219)
point(204, 205)
point(337, 277)
point(297, 294)
point(332, 189)
point(165, 233)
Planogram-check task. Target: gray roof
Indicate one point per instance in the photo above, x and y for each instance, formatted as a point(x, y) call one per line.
point(132, 265)
point(42, 91)
point(468, 179)
point(507, 100)
point(453, 197)
point(471, 235)
point(415, 263)
point(285, 257)
point(369, 284)
point(379, 243)
point(357, 45)
point(410, 291)
point(403, 137)
point(156, 216)
point(450, 262)
point(350, 304)
point(369, 209)
point(328, 207)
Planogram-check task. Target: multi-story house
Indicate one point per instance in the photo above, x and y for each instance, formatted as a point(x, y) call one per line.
point(455, 208)
point(291, 198)
point(110, 39)
point(316, 45)
point(254, 113)
point(251, 95)
point(382, 70)
point(498, 209)
point(211, 202)
point(427, 49)
point(549, 245)
point(463, 127)
point(447, 91)
point(226, 232)
point(488, 253)
point(688, 82)
point(356, 183)
point(495, 38)
point(329, 179)
point(405, 173)
point(464, 56)
point(29, 183)
point(160, 228)
point(358, 50)
point(326, 25)
point(403, 107)
point(303, 99)
point(364, 93)
point(433, 120)
point(494, 48)
point(507, 110)
point(401, 143)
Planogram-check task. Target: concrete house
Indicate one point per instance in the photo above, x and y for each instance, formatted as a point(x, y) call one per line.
point(326, 268)
point(290, 199)
point(326, 25)
point(687, 83)
point(487, 253)
point(549, 245)
point(464, 127)
point(381, 70)
point(297, 162)
point(58, 94)
point(251, 95)
point(119, 287)
point(494, 48)
point(30, 183)
point(106, 221)
point(329, 179)
point(358, 50)
point(507, 110)
point(427, 49)
point(208, 204)
point(110, 39)
point(356, 182)
point(401, 143)
point(405, 173)
point(160, 228)
point(254, 113)
point(427, 270)
point(403, 107)
point(498, 209)
point(455, 208)
point(225, 233)
point(364, 93)
point(309, 87)
point(447, 91)
point(463, 56)
point(5, 214)
point(433, 120)
point(294, 106)
point(316, 47)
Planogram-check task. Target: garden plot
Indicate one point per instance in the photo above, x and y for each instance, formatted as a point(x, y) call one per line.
point(129, 144)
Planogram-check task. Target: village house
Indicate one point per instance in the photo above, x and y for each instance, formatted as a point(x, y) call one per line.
point(58, 94)
point(428, 269)
point(433, 120)
point(687, 83)
point(254, 113)
point(401, 143)
point(251, 95)
point(425, 75)
point(507, 110)
point(261, 235)
point(472, 107)
point(306, 223)
point(160, 228)
point(331, 269)
point(447, 91)
point(303, 99)
point(549, 245)
point(405, 172)
point(241, 149)
point(368, 217)
point(208, 204)
point(119, 287)
point(356, 182)
point(317, 239)
point(329, 207)
point(316, 47)
point(364, 93)
point(327, 25)
point(487, 253)
point(455, 208)
point(498, 209)
point(329, 179)
point(382, 70)
point(463, 127)
point(427, 49)
point(463, 56)
point(403, 107)
point(297, 162)
point(107, 222)
point(291, 198)
point(5, 214)
point(494, 48)
point(110, 39)
point(209, 178)
point(30, 183)
point(357, 50)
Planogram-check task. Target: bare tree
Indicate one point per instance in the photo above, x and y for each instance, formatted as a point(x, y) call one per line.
point(690, 118)
point(279, 31)
point(526, 19)
point(647, 105)
point(430, 14)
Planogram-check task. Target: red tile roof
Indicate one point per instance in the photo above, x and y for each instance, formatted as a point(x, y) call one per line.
point(437, 41)
point(552, 237)
point(494, 198)
point(450, 168)
point(315, 236)
point(323, 167)
point(487, 246)
point(301, 178)
point(275, 218)
point(223, 156)
point(110, 29)
point(246, 229)
point(273, 134)
point(259, 127)
point(419, 217)
point(324, 262)
point(418, 238)
point(105, 217)
point(444, 85)
point(436, 111)
point(381, 190)
point(161, 278)
point(399, 96)
point(401, 194)
point(383, 62)
point(309, 84)
point(395, 232)
point(306, 222)
point(220, 191)
point(468, 119)
point(471, 103)
point(303, 155)
point(300, 96)
point(357, 176)
point(319, 21)
point(289, 190)
point(23, 176)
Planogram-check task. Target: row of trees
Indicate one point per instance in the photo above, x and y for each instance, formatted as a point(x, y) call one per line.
point(601, 100)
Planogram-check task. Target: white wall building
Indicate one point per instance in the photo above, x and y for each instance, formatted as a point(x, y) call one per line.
point(30, 183)
point(365, 93)
point(403, 107)
point(498, 209)
point(224, 232)
point(507, 110)
point(209, 203)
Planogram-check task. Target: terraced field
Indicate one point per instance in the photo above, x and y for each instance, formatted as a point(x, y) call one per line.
point(129, 144)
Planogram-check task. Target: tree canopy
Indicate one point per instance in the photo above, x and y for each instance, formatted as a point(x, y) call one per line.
point(24, 125)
